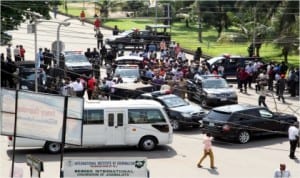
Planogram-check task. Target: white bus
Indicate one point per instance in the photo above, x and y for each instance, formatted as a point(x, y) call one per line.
point(141, 123)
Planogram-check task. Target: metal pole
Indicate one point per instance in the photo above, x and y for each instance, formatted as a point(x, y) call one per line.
point(254, 31)
point(14, 137)
point(63, 136)
point(156, 13)
point(35, 53)
point(57, 44)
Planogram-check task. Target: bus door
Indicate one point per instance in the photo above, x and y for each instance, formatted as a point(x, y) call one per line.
point(115, 127)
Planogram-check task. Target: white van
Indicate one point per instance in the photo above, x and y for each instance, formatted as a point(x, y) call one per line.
point(141, 123)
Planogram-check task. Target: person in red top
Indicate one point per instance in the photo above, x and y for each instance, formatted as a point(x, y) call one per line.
point(82, 17)
point(97, 24)
point(22, 53)
point(91, 85)
point(243, 75)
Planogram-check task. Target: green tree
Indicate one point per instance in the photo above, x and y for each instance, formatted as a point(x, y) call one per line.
point(13, 13)
point(135, 6)
point(287, 28)
point(255, 20)
point(108, 5)
point(214, 13)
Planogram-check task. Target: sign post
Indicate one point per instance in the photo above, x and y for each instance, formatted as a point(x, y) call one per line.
point(36, 166)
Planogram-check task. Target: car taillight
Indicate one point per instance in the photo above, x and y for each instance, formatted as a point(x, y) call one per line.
point(226, 127)
point(10, 138)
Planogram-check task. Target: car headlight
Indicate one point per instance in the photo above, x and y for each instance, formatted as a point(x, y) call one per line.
point(211, 95)
point(187, 115)
point(24, 87)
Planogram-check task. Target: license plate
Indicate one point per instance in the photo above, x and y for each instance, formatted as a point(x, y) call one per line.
point(223, 99)
point(211, 124)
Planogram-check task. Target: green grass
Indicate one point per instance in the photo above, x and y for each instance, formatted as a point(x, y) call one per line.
point(188, 39)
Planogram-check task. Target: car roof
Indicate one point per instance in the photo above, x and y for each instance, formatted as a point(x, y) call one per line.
point(128, 57)
point(122, 104)
point(235, 108)
point(159, 95)
point(67, 53)
point(208, 77)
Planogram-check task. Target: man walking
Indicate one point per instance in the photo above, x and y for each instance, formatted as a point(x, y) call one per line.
point(281, 87)
point(99, 37)
point(293, 137)
point(207, 151)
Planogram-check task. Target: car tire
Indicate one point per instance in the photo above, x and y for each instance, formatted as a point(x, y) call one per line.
point(244, 136)
point(147, 143)
point(175, 124)
point(52, 147)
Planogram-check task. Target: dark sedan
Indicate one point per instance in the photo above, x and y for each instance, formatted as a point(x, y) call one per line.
point(180, 112)
point(244, 122)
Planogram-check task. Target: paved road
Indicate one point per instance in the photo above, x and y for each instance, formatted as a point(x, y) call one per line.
point(177, 160)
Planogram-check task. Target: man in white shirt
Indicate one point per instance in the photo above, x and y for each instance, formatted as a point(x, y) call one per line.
point(77, 87)
point(17, 53)
point(293, 137)
point(282, 172)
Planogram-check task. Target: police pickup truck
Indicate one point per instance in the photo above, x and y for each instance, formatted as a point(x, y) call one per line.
point(140, 38)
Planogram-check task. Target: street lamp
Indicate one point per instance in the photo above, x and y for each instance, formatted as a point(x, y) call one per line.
point(36, 22)
point(58, 44)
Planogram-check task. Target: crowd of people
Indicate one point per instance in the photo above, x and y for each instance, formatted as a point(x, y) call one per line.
point(166, 64)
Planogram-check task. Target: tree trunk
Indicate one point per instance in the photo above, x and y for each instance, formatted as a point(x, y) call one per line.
point(285, 53)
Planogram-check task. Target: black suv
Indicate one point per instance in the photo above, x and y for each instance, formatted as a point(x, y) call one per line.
point(243, 122)
point(231, 63)
point(26, 76)
point(75, 63)
point(180, 112)
point(211, 90)
point(134, 37)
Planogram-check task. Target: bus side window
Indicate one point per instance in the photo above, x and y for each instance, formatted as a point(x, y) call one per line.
point(110, 119)
point(93, 117)
point(140, 116)
point(154, 116)
point(120, 119)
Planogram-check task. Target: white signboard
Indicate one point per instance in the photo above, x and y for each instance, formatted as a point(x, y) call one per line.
point(7, 120)
point(105, 167)
point(74, 121)
point(40, 116)
point(75, 107)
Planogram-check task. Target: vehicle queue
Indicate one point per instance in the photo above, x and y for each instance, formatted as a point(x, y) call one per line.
point(161, 65)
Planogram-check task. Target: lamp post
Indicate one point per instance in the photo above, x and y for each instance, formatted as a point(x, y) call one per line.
point(57, 40)
point(36, 22)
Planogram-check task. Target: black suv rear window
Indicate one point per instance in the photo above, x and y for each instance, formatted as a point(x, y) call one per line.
point(218, 115)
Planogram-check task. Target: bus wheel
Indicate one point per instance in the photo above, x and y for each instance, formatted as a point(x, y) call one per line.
point(52, 147)
point(147, 143)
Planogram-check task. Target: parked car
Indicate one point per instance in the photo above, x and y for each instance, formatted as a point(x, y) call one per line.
point(244, 122)
point(26, 76)
point(180, 112)
point(75, 63)
point(211, 90)
point(231, 63)
point(140, 38)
